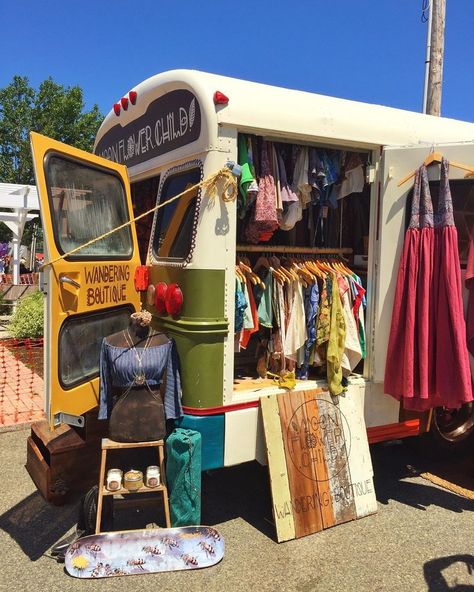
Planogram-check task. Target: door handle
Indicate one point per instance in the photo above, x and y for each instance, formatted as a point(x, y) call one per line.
point(64, 279)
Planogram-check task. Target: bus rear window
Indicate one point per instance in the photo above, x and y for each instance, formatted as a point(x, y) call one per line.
point(173, 228)
point(80, 340)
point(86, 202)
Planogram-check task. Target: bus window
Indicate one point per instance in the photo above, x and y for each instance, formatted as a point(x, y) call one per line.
point(173, 230)
point(87, 202)
point(80, 340)
point(144, 194)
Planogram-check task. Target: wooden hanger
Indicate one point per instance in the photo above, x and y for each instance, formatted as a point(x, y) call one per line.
point(436, 158)
point(239, 274)
point(253, 277)
point(274, 268)
point(303, 271)
point(313, 268)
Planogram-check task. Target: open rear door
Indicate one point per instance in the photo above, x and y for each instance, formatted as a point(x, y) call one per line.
point(90, 293)
point(397, 163)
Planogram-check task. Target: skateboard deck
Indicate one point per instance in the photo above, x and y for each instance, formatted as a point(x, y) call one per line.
point(153, 550)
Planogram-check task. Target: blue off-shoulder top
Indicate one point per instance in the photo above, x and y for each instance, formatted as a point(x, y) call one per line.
point(118, 368)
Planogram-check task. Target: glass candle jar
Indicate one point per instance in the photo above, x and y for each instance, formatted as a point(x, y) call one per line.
point(114, 479)
point(152, 476)
point(133, 480)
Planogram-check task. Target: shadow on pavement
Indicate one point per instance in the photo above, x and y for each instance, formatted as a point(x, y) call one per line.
point(396, 464)
point(436, 581)
point(242, 491)
point(36, 525)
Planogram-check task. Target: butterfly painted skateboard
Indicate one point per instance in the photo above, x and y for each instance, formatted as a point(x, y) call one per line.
point(153, 550)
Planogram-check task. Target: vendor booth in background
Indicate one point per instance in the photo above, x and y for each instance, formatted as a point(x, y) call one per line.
point(291, 280)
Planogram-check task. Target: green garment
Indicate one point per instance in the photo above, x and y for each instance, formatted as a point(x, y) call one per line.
point(246, 176)
point(362, 339)
point(337, 339)
point(265, 309)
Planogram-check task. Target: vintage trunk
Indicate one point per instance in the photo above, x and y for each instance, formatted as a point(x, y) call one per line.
point(65, 461)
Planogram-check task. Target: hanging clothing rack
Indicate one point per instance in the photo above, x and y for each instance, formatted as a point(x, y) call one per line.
point(436, 158)
point(283, 249)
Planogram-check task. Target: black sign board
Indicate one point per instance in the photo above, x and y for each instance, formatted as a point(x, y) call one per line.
point(170, 122)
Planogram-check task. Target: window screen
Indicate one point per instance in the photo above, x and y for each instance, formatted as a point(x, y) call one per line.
point(85, 203)
point(80, 340)
point(174, 222)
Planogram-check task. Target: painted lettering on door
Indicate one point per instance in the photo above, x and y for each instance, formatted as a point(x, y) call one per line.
point(106, 284)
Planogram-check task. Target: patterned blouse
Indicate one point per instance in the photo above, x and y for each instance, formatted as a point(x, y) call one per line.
point(118, 368)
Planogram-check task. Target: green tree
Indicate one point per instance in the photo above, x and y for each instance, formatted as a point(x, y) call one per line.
point(53, 110)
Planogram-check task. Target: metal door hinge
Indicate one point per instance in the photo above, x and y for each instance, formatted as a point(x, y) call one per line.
point(73, 420)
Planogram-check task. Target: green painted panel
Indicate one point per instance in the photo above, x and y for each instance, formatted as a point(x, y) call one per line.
point(199, 331)
point(202, 368)
point(203, 290)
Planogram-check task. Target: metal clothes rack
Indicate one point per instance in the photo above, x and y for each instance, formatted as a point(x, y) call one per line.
point(295, 250)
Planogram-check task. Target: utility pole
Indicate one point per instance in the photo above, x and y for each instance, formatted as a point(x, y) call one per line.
point(434, 58)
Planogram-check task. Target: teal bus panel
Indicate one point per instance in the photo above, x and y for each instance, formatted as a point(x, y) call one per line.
point(212, 429)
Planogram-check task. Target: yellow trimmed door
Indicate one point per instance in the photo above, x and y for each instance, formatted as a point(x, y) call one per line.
point(90, 293)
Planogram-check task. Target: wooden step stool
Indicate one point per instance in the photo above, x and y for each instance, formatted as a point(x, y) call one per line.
point(107, 445)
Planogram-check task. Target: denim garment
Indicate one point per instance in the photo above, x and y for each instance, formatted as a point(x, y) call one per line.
point(118, 366)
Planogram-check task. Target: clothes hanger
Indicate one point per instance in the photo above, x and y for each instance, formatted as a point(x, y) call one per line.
point(239, 274)
point(275, 269)
point(345, 269)
point(303, 276)
point(281, 280)
point(313, 266)
point(436, 158)
point(255, 278)
point(287, 268)
point(262, 261)
point(307, 275)
point(281, 270)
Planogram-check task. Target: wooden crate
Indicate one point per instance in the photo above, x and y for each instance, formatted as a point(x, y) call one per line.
point(64, 461)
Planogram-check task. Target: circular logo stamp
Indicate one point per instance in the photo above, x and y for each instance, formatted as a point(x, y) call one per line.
point(319, 440)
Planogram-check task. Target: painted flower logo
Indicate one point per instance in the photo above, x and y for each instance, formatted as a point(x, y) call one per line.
point(130, 147)
point(192, 113)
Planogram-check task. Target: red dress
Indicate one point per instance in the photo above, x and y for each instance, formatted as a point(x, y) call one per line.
point(427, 359)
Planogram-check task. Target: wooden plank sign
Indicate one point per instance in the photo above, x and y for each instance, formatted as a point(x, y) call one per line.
point(319, 461)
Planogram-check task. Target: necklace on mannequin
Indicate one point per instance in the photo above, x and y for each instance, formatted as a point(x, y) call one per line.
point(139, 376)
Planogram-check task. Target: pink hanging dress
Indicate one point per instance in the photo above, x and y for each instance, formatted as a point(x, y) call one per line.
point(427, 359)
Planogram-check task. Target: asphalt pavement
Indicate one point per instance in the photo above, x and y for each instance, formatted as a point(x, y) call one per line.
point(420, 539)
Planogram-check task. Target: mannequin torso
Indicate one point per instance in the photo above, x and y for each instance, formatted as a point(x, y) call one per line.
point(138, 413)
point(138, 336)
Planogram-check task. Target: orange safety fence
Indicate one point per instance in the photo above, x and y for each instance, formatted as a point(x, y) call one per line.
point(28, 279)
point(21, 381)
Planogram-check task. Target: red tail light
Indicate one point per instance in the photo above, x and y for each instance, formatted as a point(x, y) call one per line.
point(160, 295)
point(117, 108)
point(141, 278)
point(132, 95)
point(173, 300)
point(220, 98)
point(124, 102)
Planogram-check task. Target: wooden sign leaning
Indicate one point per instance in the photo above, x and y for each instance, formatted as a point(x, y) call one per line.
point(319, 461)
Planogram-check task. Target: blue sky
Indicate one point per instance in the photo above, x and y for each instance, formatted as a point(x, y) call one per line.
point(365, 50)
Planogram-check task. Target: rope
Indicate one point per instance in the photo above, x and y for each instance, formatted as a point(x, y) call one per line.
point(449, 485)
point(223, 182)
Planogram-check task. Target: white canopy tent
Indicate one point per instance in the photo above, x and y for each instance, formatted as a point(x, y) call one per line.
point(19, 200)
